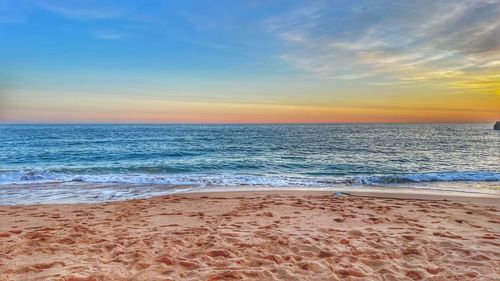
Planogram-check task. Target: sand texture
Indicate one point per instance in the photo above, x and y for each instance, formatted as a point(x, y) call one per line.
point(252, 236)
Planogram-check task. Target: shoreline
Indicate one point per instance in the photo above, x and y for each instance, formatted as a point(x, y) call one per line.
point(257, 235)
point(403, 193)
point(378, 192)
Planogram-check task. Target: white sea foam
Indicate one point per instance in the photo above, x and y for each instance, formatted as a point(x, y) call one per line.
point(47, 176)
point(32, 187)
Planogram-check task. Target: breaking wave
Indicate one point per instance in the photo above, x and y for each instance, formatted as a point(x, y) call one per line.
point(48, 176)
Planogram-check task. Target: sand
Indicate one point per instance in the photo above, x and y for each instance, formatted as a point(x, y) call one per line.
point(293, 235)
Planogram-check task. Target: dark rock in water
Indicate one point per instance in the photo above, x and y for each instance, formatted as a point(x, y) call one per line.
point(497, 125)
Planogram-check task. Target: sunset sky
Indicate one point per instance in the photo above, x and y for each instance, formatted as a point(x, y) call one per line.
point(257, 61)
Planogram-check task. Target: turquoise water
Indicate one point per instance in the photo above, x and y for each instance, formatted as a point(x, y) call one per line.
point(39, 163)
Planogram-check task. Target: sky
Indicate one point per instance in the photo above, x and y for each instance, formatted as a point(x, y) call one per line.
point(260, 61)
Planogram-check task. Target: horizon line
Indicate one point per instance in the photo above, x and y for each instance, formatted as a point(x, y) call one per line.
point(241, 123)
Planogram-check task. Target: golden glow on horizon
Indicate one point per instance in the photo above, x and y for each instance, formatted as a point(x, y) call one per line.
point(446, 96)
point(84, 109)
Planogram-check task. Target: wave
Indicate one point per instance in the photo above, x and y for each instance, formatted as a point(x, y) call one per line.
point(433, 177)
point(51, 176)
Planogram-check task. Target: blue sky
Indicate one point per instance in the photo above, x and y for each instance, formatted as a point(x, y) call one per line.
point(221, 61)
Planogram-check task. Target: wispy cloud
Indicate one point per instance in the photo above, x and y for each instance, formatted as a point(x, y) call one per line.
point(12, 12)
point(197, 21)
point(11, 19)
point(398, 41)
point(82, 10)
point(109, 34)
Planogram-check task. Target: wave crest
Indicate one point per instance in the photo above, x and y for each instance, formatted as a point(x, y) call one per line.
point(48, 176)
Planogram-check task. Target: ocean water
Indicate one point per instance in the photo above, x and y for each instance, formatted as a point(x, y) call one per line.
point(93, 163)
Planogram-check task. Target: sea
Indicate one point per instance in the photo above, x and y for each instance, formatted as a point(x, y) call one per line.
point(98, 163)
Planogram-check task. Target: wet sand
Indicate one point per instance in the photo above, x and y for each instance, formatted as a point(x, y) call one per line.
point(276, 235)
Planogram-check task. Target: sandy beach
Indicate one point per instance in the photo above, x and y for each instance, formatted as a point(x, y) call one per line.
point(278, 235)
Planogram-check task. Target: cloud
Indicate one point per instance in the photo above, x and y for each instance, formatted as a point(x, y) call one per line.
point(396, 41)
point(83, 10)
point(12, 12)
point(11, 19)
point(199, 22)
point(109, 34)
